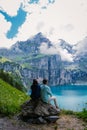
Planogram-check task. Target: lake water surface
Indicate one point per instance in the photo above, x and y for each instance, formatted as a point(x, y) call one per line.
point(71, 97)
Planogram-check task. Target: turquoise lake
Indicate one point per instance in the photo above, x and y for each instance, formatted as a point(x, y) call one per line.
point(71, 97)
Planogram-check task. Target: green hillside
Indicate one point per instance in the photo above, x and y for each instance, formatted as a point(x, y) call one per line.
point(10, 99)
point(12, 79)
point(4, 59)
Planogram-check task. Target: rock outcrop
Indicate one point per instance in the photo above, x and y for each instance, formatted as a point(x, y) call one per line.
point(39, 112)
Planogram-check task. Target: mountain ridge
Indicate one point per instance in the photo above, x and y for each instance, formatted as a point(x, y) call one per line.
point(46, 65)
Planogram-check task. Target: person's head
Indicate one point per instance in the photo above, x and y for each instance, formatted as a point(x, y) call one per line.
point(35, 82)
point(45, 81)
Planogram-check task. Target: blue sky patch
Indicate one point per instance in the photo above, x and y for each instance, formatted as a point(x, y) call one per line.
point(51, 1)
point(37, 1)
point(33, 1)
point(16, 22)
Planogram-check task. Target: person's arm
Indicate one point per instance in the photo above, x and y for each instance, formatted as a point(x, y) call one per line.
point(49, 91)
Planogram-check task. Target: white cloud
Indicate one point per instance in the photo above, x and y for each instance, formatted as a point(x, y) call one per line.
point(6, 25)
point(81, 47)
point(64, 19)
point(68, 12)
point(28, 29)
point(10, 6)
point(44, 49)
point(3, 30)
point(56, 49)
point(65, 56)
point(68, 27)
point(40, 25)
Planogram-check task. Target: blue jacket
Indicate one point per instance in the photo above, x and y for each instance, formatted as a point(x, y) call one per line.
point(45, 93)
point(35, 92)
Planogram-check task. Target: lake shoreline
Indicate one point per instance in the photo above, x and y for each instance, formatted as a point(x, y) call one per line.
point(71, 97)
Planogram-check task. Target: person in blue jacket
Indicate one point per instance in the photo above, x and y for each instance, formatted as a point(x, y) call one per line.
point(35, 90)
point(46, 94)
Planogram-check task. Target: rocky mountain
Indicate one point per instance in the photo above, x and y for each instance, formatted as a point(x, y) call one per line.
point(24, 48)
point(64, 45)
point(29, 62)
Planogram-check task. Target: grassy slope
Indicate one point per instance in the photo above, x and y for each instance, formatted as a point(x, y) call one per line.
point(10, 98)
point(3, 59)
point(25, 59)
point(82, 114)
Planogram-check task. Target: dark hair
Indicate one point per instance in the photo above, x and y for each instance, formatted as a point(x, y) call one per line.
point(45, 81)
point(35, 82)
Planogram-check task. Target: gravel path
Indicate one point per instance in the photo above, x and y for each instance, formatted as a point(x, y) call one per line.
point(65, 122)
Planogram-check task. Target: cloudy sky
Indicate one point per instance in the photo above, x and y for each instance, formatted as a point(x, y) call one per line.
point(21, 19)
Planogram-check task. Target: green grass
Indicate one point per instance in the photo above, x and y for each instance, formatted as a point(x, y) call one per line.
point(81, 115)
point(10, 99)
point(28, 57)
point(67, 112)
point(3, 59)
point(26, 65)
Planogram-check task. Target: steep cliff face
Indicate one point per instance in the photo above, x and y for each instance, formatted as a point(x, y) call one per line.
point(46, 67)
point(28, 62)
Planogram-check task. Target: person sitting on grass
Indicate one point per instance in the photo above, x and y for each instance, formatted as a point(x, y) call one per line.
point(46, 94)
